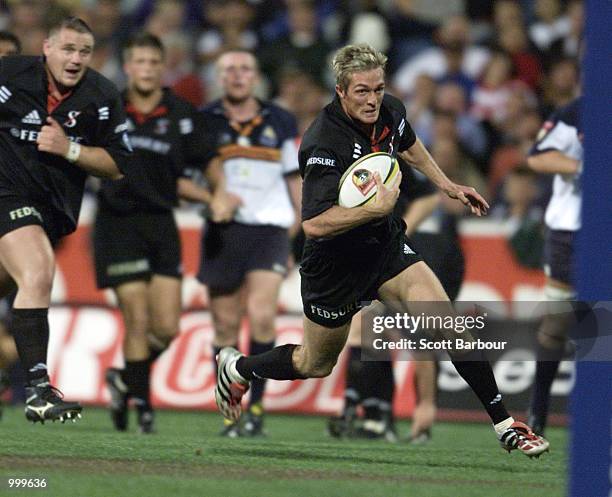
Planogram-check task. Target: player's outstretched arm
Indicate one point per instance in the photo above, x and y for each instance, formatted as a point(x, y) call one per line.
point(554, 162)
point(338, 220)
point(419, 157)
point(94, 160)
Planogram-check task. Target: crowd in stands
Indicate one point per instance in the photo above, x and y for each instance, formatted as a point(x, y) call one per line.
point(478, 77)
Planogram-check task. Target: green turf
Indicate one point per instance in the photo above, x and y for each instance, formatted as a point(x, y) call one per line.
point(187, 457)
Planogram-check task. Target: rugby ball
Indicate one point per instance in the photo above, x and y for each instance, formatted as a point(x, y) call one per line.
point(357, 185)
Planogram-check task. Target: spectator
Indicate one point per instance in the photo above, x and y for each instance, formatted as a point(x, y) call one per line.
point(514, 41)
point(302, 49)
point(512, 152)
point(409, 33)
point(522, 216)
point(419, 108)
point(560, 85)
point(105, 60)
point(451, 98)
point(550, 25)
point(180, 74)
point(569, 46)
point(9, 44)
point(456, 165)
point(167, 17)
point(453, 42)
point(494, 91)
point(302, 96)
point(229, 29)
point(28, 24)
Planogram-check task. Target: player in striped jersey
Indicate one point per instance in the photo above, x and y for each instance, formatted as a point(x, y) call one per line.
point(245, 260)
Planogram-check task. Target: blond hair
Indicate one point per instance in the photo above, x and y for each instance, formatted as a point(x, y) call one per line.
point(356, 58)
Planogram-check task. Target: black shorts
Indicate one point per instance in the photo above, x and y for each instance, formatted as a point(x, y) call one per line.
point(131, 247)
point(336, 285)
point(444, 256)
point(231, 250)
point(559, 255)
point(17, 212)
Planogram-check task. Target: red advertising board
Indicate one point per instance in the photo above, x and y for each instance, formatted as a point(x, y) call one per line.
point(87, 333)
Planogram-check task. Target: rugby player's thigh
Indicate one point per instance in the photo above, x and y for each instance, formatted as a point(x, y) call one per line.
point(415, 283)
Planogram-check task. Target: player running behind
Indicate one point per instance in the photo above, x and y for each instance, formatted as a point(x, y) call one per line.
point(136, 242)
point(558, 150)
point(245, 260)
point(61, 122)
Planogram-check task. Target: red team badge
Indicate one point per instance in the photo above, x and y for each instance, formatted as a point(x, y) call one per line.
point(363, 180)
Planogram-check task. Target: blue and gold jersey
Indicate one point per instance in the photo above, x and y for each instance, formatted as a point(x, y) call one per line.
point(257, 155)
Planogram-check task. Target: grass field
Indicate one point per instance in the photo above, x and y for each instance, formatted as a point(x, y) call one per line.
point(187, 457)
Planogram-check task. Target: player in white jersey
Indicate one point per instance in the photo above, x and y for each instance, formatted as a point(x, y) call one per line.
point(244, 260)
point(558, 150)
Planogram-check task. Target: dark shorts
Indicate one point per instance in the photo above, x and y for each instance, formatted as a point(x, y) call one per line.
point(336, 285)
point(559, 255)
point(17, 212)
point(135, 247)
point(231, 250)
point(445, 258)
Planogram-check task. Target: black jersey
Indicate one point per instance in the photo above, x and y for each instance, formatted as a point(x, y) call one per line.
point(91, 115)
point(167, 142)
point(331, 144)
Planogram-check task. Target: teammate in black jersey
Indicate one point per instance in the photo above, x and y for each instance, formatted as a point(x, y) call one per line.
point(60, 121)
point(136, 241)
point(9, 45)
point(359, 254)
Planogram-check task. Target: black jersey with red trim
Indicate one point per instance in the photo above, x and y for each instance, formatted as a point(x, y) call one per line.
point(167, 142)
point(91, 115)
point(331, 144)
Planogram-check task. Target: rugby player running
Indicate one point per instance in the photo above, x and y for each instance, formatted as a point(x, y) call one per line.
point(136, 241)
point(361, 254)
point(60, 122)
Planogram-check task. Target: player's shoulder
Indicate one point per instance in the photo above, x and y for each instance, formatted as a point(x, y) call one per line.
point(213, 110)
point(328, 130)
point(178, 103)
point(283, 121)
point(319, 135)
point(394, 104)
point(100, 86)
point(278, 112)
point(569, 114)
point(12, 65)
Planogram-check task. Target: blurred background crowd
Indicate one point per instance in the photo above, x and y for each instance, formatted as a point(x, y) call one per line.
point(478, 77)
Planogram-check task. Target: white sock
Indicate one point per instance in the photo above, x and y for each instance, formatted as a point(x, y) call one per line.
point(502, 426)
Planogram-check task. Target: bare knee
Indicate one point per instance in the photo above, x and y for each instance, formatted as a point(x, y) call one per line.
point(227, 325)
point(165, 328)
point(36, 282)
point(261, 322)
point(136, 322)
